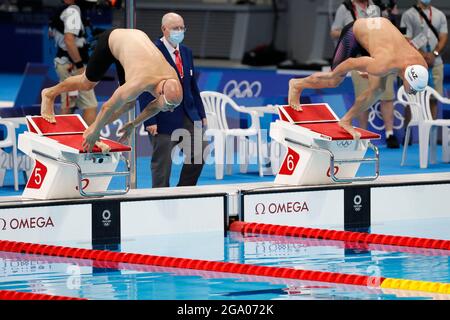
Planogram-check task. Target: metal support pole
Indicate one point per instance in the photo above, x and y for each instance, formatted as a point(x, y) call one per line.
point(130, 21)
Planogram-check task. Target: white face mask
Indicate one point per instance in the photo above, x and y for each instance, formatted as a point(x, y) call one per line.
point(176, 37)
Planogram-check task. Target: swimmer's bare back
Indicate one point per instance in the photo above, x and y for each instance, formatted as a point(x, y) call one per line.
point(140, 58)
point(386, 44)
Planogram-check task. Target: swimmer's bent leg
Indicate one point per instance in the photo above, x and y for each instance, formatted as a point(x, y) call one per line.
point(48, 95)
point(314, 81)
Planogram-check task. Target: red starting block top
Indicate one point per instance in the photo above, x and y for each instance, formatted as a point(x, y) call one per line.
point(310, 113)
point(336, 132)
point(68, 130)
point(321, 119)
point(75, 141)
point(64, 124)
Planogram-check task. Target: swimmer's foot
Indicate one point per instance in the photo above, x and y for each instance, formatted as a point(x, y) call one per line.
point(349, 128)
point(103, 146)
point(47, 106)
point(295, 91)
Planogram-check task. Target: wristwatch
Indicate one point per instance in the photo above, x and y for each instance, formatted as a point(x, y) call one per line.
point(436, 53)
point(79, 64)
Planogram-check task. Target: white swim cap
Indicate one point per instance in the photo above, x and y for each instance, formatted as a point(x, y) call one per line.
point(417, 77)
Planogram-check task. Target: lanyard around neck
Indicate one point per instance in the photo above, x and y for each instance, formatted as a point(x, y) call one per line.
point(430, 15)
point(355, 10)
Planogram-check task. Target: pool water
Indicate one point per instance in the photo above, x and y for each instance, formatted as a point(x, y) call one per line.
point(83, 278)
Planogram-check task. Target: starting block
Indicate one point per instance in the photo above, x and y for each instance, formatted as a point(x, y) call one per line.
point(62, 168)
point(319, 151)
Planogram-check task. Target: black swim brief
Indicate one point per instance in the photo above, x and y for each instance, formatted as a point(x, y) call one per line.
point(101, 59)
point(347, 47)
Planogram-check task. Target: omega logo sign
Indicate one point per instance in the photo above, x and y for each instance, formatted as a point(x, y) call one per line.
point(357, 203)
point(106, 216)
point(282, 208)
point(26, 223)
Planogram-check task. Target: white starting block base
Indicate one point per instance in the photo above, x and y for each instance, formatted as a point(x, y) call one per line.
point(184, 210)
point(319, 151)
point(59, 180)
point(62, 169)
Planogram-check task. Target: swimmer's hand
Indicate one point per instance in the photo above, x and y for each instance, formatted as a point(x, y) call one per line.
point(90, 138)
point(347, 126)
point(126, 132)
point(47, 106)
point(103, 146)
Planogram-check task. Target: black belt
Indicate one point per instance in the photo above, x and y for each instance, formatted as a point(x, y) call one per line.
point(84, 53)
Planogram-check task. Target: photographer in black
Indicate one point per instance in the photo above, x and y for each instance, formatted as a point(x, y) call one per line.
point(68, 29)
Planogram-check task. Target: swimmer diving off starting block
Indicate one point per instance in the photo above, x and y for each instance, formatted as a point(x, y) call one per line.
point(375, 48)
point(140, 67)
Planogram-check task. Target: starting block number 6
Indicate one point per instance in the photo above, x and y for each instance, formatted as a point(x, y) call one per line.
point(38, 176)
point(290, 162)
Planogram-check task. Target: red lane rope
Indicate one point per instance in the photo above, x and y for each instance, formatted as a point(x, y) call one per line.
point(181, 272)
point(228, 267)
point(16, 295)
point(360, 237)
point(339, 244)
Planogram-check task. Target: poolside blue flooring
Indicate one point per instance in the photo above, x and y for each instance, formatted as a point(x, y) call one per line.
point(389, 165)
point(9, 85)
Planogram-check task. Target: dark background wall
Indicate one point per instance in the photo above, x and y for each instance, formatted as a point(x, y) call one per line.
point(217, 29)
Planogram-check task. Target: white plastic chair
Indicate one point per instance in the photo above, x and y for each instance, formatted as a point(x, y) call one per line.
point(427, 126)
point(215, 104)
point(9, 141)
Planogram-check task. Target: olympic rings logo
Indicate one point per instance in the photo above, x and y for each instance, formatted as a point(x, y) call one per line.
point(243, 89)
point(344, 143)
point(374, 112)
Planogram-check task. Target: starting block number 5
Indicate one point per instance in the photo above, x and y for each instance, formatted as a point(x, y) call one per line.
point(290, 162)
point(38, 176)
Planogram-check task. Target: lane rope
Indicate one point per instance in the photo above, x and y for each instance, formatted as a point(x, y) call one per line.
point(348, 236)
point(17, 295)
point(226, 267)
point(309, 242)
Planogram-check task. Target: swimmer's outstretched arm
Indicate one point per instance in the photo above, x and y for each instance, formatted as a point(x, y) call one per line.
point(126, 107)
point(362, 102)
point(124, 94)
point(152, 109)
